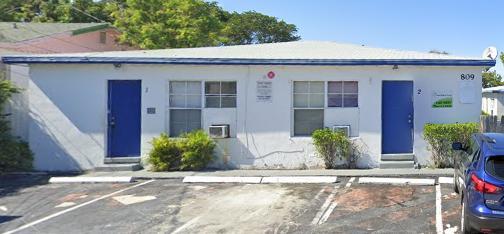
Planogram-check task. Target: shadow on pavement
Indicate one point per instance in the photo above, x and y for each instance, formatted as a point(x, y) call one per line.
point(11, 184)
point(7, 218)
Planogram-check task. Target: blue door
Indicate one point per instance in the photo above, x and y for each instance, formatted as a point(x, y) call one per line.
point(397, 117)
point(124, 112)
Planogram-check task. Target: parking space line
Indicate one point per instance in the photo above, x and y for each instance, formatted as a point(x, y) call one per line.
point(349, 183)
point(74, 208)
point(320, 192)
point(324, 207)
point(439, 217)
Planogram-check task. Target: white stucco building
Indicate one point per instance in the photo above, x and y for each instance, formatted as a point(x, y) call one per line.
point(88, 107)
point(493, 101)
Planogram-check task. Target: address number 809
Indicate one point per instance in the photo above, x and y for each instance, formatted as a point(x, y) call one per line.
point(467, 76)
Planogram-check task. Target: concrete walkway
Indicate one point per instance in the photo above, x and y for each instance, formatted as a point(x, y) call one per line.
point(144, 174)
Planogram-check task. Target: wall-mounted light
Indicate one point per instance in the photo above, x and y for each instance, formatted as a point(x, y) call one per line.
point(117, 65)
point(395, 67)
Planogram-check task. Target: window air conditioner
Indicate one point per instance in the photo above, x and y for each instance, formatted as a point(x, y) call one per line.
point(342, 128)
point(219, 131)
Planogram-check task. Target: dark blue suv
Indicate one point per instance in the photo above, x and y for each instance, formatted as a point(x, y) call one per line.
point(479, 178)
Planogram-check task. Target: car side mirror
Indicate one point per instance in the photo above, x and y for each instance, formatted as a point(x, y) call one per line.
point(457, 146)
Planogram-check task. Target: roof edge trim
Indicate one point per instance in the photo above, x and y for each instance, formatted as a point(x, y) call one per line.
point(241, 61)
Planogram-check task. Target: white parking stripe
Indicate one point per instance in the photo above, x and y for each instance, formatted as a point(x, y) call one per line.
point(350, 182)
point(327, 213)
point(74, 208)
point(324, 207)
point(333, 205)
point(445, 180)
point(439, 217)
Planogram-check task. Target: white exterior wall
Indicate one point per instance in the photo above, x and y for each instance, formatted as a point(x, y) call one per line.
point(68, 105)
point(493, 103)
point(18, 106)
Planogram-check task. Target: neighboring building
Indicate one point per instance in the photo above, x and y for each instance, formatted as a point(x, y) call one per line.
point(492, 101)
point(89, 107)
point(45, 38)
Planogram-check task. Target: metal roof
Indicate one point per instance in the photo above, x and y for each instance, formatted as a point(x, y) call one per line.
point(12, 32)
point(496, 89)
point(285, 53)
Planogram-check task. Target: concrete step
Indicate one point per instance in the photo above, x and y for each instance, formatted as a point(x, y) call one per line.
point(116, 160)
point(119, 167)
point(397, 157)
point(396, 164)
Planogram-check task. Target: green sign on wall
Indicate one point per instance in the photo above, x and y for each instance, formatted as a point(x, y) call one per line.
point(442, 100)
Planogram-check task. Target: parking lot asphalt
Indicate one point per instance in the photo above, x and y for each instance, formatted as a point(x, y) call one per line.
point(30, 205)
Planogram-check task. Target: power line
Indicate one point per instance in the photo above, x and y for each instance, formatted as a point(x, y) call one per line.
point(69, 42)
point(87, 14)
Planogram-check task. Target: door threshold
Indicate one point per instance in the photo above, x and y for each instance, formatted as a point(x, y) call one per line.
point(109, 160)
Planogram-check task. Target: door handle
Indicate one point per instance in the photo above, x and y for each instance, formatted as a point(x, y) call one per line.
point(112, 122)
point(410, 118)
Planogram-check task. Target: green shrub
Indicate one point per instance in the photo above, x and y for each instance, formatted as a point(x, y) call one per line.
point(440, 137)
point(15, 155)
point(484, 113)
point(331, 146)
point(165, 154)
point(197, 150)
point(194, 151)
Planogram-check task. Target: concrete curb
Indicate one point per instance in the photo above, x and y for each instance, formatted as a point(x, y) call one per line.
point(299, 179)
point(221, 179)
point(262, 180)
point(101, 179)
point(396, 181)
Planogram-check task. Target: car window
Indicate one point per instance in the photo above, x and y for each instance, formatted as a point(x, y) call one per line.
point(475, 156)
point(495, 166)
point(470, 148)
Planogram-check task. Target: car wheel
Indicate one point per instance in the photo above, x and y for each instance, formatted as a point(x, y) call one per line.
point(455, 184)
point(464, 226)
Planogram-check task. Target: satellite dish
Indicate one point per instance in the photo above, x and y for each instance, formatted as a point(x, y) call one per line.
point(490, 53)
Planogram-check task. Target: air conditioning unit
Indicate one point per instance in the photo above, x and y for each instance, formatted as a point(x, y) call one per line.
point(342, 128)
point(219, 131)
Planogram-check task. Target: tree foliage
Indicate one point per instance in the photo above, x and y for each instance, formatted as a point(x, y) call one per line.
point(252, 27)
point(491, 79)
point(64, 11)
point(154, 24)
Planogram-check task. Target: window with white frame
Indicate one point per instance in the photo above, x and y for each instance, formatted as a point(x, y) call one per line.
point(185, 106)
point(308, 107)
point(220, 94)
point(342, 94)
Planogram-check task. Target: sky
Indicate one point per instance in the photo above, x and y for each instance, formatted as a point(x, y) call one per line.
point(460, 27)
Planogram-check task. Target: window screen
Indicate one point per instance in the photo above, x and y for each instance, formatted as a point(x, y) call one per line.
point(306, 121)
point(308, 107)
point(184, 120)
point(342, 94)
point(309, 94)
point(185, 94)
point(220, 94)
point(185, 107)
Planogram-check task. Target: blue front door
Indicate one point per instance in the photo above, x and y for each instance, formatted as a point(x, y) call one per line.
point(124, 112)
point(397, 117)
